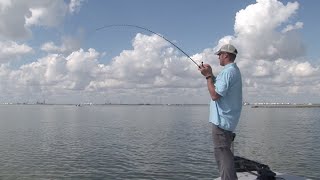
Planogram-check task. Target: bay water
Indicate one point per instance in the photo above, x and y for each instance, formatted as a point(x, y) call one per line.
point(148, 141)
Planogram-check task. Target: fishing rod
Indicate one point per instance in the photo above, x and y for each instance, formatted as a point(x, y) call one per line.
point(139, 27)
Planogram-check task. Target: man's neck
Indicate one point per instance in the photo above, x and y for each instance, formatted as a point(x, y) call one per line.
point(228, 62)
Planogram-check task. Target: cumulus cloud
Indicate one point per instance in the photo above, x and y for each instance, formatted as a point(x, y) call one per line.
point(50, 16)
point(272, 61)
point(291, 27)
point(256, 31)
point(75, 5)
point(10, 50)
point(303, 69)
point(51, 74)
point(5, 4)
point(150, 64)
point(16, 17)
point(271, 58)
point(68, 45)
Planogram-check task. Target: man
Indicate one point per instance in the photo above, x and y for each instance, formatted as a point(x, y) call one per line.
point(225, 107)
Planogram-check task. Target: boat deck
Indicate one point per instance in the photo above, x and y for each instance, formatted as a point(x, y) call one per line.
point(280, 176)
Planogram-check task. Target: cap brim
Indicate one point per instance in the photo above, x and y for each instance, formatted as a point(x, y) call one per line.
point(217, 53)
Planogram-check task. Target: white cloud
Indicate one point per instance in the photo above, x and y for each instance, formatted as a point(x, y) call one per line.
point(150, 64)
point(263, 17)
point(75, 5)
point(272, 62)
point(47, 13)
point(51, 47)
point(4, 4)
point(302, 69)
point(68, 45)
point(262, 69)
point(16, 16)
point(53, 74)
point(10, 50)
point(256, 31)
point(298, 25)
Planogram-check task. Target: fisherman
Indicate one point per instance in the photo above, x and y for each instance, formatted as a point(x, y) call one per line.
point(225, 107)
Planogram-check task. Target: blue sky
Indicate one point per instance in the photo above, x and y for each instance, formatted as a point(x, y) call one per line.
point(51, 50)
point(193, 25)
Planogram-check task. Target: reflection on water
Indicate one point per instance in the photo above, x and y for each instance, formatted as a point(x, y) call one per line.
point(286, 139)
point(148, 142)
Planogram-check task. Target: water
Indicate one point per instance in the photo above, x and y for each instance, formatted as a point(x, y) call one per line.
point(148, 142)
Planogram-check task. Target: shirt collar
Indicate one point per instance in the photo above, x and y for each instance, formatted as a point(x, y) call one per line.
point(229, 65)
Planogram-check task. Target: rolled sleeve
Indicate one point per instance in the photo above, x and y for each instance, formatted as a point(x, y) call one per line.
point(222, 84)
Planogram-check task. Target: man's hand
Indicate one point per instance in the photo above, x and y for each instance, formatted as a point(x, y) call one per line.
point(206, 70)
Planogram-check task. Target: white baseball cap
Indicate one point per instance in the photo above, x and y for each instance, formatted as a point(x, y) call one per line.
point(227, 48)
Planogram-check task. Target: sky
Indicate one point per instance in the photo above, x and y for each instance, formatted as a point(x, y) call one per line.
point(52, 51)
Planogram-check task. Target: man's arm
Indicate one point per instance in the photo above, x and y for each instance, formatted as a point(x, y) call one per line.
point(211, 88)
point(206, 71)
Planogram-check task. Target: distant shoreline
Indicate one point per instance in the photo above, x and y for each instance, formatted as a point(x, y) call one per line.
point(253, 105)
point(286, 106)
point(109, 104)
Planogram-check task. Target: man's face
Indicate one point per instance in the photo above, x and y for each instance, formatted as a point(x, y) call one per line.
point(222, 57)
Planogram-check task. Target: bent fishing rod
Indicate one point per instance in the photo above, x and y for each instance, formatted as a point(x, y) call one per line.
point(139, 27)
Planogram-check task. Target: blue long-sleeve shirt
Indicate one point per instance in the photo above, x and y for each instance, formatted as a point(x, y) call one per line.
point(225, 112)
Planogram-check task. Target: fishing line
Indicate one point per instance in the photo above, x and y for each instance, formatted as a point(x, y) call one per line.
point(139, 27)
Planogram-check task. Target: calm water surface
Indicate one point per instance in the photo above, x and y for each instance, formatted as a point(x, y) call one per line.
point(148, 142)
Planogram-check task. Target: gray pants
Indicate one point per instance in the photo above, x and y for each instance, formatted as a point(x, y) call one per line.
point(222, 140)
